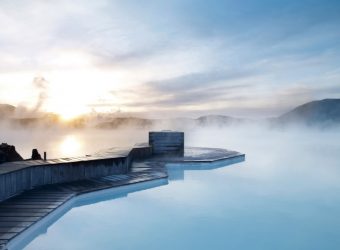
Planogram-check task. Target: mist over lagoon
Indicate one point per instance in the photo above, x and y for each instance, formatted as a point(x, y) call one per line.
point(78, 142)
point(284, 196)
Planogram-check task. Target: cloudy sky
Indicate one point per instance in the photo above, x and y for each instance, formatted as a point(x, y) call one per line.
point(251, 58)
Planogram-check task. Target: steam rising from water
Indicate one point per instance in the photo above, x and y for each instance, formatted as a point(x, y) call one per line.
point(284, 196)
point(68, 142)
point(41, 86)
point(79, 142)
point(287, 191)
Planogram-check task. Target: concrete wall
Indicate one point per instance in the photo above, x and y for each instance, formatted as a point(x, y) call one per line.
point(166, 142)
point(17, 181)
point(139, 153)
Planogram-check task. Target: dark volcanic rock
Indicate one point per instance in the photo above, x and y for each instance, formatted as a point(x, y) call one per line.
point(8, 153)
point(36, 155)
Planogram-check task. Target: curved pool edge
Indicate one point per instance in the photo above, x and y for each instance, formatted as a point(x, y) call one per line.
point(41, 226)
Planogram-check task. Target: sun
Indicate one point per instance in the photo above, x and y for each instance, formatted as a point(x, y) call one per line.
point(70, 113)
point(73, 92)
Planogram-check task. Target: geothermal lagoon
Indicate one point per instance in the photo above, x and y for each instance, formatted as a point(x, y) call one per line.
point(285, 195)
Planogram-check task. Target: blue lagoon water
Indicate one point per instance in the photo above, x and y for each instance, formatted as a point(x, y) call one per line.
point(286, 195)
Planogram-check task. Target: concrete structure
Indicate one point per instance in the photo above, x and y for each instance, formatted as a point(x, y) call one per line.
point(167, 142)
point(16, 177)
point(26, 199)
point(33, 210)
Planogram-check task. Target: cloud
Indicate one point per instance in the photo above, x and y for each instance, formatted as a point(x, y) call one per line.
point(195, 89)
point(198, 80)
point(177, 54)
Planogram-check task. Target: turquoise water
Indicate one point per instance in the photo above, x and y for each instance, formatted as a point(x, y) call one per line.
point(286, 195)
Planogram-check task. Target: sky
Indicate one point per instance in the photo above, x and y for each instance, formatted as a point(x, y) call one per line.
point(250, 58)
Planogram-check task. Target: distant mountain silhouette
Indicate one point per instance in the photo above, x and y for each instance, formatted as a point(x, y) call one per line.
point(203, 121)
point(316, 113)
point(323, 113)
point(217, 120)
point(121, 122)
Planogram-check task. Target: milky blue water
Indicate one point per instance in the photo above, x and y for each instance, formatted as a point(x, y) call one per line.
point(286, 195)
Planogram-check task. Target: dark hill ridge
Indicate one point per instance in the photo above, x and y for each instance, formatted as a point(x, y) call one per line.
point(217, 120)
point(121, 122)
point(203, 121)
point(316, 113)
point(322, 113)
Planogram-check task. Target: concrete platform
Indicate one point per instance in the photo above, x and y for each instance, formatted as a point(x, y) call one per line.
point(17, 177)
point(199, 155)
point(18, 215)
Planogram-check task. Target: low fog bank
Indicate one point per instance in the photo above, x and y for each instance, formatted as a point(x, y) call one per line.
point(317, 122)
point(69, 142)
point(64, 142)
point(322, 114)
point(280, 164)
point(106, 122)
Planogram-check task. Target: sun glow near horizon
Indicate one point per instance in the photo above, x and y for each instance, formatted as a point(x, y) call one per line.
point(73, 92)
point(72, 113)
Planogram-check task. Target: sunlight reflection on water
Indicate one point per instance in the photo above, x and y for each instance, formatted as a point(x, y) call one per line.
point(70, 146)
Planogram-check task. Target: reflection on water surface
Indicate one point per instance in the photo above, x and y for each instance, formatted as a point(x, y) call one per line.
point(71, 145)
